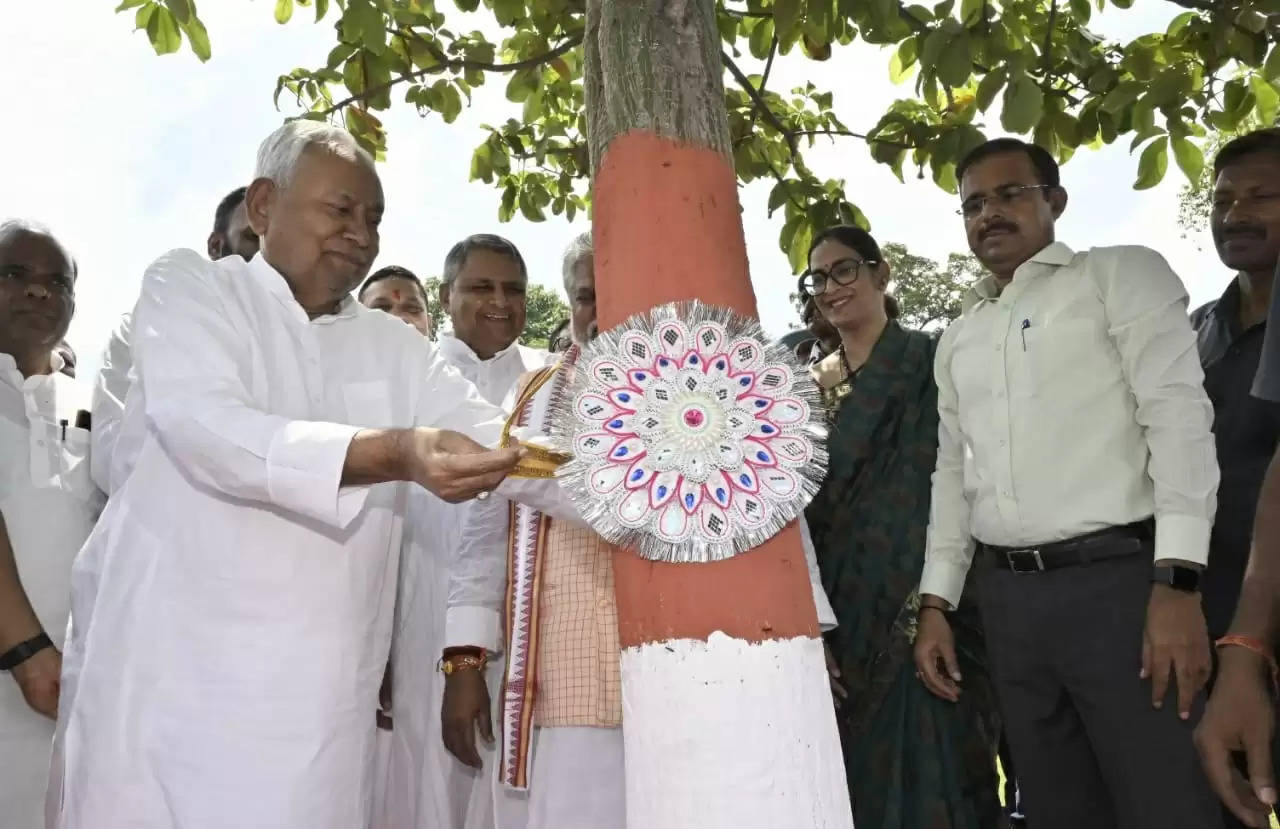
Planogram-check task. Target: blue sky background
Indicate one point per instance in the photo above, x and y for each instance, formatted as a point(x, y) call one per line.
point(125, 154)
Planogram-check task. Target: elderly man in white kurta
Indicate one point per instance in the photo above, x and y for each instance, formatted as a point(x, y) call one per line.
point(231, 613)
point(482, 290)
point(48, 505)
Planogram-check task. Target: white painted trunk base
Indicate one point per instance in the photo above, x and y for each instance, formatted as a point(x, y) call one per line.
point(727, 734)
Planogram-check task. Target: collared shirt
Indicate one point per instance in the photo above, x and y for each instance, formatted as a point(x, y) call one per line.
point(232, 609)
point(494, 377)
point(1071, 401)
point(49, 506)
point(1245, 430)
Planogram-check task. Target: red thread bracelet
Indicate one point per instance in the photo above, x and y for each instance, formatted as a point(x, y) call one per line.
point(1256, 646)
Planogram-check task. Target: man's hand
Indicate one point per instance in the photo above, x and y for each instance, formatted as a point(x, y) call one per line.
point(935, 654)
point(456, 468)
point(40, 679)
point(1240, 718)
point(1176, 640)
point(465, 708)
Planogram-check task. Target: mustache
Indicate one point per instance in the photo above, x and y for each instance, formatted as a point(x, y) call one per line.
point(1248, 230)
point(995, 225)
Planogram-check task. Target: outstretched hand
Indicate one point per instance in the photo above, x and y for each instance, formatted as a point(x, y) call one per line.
point(456, 468)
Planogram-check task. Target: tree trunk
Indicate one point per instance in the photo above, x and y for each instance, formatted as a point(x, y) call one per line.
point(728, 718)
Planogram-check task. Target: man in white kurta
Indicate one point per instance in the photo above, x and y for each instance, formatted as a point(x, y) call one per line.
point(483, 292)
point(47, 502)
point(561, 747)
point(231, 612)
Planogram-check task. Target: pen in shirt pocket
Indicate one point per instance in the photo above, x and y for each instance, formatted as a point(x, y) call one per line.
point(1025, 325)
point(63, 424)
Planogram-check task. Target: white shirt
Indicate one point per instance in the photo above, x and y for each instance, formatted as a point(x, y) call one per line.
point(114, 452)
point(49, 505)
point(232, 609)
point(428, 788)
point(1070, 402)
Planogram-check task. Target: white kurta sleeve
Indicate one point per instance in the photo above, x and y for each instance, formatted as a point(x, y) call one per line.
point(189, 361)
point(1146, 306)
point(478, 578)
point(949, 546)
point(109, 392)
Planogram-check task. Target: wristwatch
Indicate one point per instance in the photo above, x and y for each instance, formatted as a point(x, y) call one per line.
point(1178, 576)
point(23, 651)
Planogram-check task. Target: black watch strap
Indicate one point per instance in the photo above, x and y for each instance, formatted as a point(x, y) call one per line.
point(23, 651)
point(1179, 577)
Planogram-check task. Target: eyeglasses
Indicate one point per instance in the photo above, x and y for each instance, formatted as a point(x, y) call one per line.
point(1005, 196)
point(845, 272)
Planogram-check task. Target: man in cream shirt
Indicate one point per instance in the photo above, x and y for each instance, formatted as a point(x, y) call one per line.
point(482, 290)
point(1076, 473)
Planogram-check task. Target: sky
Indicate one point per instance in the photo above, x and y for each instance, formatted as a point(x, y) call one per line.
point(125, 154)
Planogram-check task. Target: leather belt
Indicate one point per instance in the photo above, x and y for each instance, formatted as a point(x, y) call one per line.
point(1112, 542)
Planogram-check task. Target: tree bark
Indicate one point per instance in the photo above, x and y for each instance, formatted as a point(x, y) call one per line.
point(727, 712)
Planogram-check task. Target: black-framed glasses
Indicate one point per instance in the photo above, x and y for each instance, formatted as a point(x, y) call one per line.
point(844, 272)
point(1004, 196)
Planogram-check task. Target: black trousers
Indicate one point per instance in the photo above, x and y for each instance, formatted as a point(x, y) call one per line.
point(1065, 648)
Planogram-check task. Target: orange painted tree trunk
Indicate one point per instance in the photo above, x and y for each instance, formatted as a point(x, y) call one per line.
point(728, 719)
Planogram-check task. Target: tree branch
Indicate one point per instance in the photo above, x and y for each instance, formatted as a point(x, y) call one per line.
point(1048, 42)
point(456, 64)
point(764, 79)
point(762, 106)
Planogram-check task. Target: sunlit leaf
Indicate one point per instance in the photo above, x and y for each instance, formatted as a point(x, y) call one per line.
point(1153, 164)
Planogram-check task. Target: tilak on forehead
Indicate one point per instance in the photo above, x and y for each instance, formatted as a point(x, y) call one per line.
point(395, 294)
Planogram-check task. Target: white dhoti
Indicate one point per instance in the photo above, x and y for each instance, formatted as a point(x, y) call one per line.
point(580, 783)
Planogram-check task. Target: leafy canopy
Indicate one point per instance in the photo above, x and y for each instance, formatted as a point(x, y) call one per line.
point(1213, 69)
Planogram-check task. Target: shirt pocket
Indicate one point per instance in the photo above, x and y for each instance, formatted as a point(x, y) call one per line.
point(368, 403)
point(76, 479)
point(1066, 357)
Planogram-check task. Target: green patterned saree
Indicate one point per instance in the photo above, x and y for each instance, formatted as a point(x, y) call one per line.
point(913, 761)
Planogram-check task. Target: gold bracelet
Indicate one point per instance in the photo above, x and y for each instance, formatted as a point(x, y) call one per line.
point(462, 662)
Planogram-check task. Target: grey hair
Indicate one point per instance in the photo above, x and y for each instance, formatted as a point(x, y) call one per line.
point(456, 259)
point(579, 249)
point(279, 154)
point(9, 226)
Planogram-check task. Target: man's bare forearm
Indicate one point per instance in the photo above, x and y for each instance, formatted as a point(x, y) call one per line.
point(1258, 612)
point(18, 621)
point(378, 455)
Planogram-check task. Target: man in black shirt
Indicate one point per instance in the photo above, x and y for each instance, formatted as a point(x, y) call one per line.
point(1231, 332)
point(1246, 230)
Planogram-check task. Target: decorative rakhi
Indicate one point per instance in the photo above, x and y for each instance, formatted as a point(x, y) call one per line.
point(693, 437)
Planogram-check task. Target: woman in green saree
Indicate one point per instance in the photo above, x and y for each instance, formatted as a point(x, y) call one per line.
point(914, 761)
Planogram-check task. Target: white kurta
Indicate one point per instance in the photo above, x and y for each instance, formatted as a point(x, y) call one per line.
point(427, 787)
point(49, 505)
point(231, 612)
point(115, 447)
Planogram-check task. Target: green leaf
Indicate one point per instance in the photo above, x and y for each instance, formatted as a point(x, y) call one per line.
point(971, 11)
point(181, 10)
point(1267, 100)
point(1125, 93)
point(1153, 164)
point(903, 59)
point(322, 8)
point(1081, 11)
point(130, 4)
point(284, 10)
point(508, 12)
point(1180, 22)
point(1190, 159)
point(1023, 103)
point(955, 64)
point(1271, 69)
point(786, 13)
point(163, 32)
point(991, 83)
point(761, 39)
point(198, 37)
